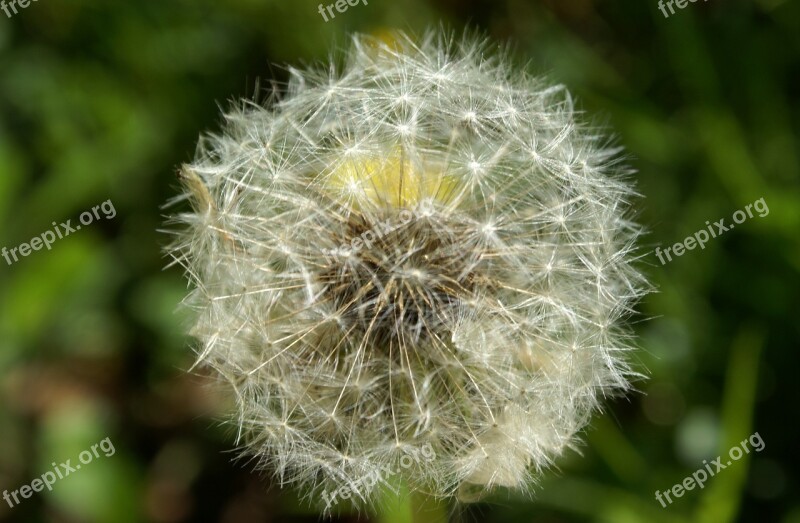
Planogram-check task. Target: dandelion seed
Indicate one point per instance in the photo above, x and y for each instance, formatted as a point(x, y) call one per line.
point(487, 327)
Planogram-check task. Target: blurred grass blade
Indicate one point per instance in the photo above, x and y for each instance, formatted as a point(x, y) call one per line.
point(722, 499)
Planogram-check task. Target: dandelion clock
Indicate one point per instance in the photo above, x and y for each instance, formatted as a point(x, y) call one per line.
point(414, 267)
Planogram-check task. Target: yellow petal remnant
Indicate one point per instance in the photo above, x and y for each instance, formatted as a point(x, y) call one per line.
point(369, 182)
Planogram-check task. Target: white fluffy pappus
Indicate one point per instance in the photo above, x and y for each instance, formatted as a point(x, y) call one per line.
point(486, 323)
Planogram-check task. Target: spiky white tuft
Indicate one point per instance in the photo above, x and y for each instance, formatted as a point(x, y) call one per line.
point(424, 250)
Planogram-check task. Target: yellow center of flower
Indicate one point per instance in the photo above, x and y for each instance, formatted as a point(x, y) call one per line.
point(394, 181)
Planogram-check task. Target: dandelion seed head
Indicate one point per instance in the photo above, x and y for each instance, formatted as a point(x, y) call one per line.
point(422, 250)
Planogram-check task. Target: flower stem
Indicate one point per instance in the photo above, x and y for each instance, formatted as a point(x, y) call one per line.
point(426, 509)
point(404, 507)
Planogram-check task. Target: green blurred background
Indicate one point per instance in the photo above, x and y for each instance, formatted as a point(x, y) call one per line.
point(102, 100)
